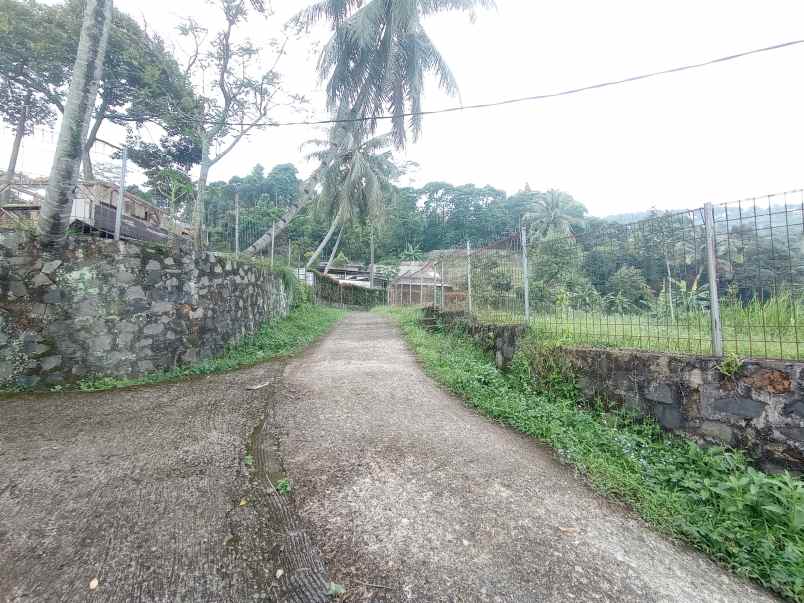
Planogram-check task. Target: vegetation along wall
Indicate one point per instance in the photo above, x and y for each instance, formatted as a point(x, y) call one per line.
point(755, 405)
point(103, 308)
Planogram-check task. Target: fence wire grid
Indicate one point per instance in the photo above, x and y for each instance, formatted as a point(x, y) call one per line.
point(643, 285)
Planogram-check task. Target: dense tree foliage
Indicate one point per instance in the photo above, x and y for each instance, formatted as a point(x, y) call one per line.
point(378, 56)
point(141, 83)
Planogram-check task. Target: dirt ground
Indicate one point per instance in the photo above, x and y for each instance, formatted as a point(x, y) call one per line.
point(411, 496)
point(141, 490)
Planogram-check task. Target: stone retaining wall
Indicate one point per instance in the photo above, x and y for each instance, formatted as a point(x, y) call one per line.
point(103, 308)
point(758, 408)
point(499, 340)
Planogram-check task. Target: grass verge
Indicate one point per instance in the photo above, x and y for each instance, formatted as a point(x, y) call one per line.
point(711, 498)
point(275, 339)
point(748, 333)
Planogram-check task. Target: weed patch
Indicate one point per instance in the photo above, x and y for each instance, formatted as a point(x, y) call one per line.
point(711, 498)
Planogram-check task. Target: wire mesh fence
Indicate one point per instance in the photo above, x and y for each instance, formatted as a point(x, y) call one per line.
point(760, 273)
point(710, 281)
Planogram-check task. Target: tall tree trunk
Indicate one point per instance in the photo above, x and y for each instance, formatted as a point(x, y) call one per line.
point(86, 165)
point(89, 173)
point(87, 72)
point(334, 251)
point(324, 242)
point(200, 208)
point(15, 150)
point(306, 196)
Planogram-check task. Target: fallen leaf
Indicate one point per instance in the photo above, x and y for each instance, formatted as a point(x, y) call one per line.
point(93, 584)
point(243, 502)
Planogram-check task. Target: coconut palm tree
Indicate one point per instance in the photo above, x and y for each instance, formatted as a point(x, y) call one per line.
point(355, 177)
point(554, 212)
point(378, 55)
point(375, 62)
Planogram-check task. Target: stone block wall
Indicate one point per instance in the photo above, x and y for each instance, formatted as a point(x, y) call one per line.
point(500, 340)
point(759, 408)
point(122, 309)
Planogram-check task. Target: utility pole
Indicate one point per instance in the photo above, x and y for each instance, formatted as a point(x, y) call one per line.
point(121, 199)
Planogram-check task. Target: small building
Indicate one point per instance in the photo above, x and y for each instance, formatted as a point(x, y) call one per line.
point(417, 284)
point(357, 275)
point(94, 209)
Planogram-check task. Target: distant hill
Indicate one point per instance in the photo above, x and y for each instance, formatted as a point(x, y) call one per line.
point(627, 218)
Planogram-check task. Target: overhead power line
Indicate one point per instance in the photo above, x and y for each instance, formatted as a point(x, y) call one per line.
point(500, 103)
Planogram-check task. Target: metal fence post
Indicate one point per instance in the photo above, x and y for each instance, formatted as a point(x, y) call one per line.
point(443, 291)
point(237, 223)
point(371, 268)
point(469, 275)
point(121, 200)
point(525, 279)
point(315, 287)
point(711, 269)
point(421, 288)
point(435, 283)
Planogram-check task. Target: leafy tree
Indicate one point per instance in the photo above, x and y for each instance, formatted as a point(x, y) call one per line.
point(629, 283)
point(30, 72)
point(239, 99)
point(262, 198)
point(341, 261)
point(55, 213)
point(36, 51)
point(455, 214)
point(23, 110)
point(141, 82)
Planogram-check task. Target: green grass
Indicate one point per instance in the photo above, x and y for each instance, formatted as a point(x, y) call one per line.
point(711, 498)
point(275, 339)
point(284, 486)
point(752, 331)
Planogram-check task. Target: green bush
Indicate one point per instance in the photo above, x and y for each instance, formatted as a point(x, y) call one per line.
point(332, 291)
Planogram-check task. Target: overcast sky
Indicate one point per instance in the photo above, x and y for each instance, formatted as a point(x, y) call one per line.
point(716, 134)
